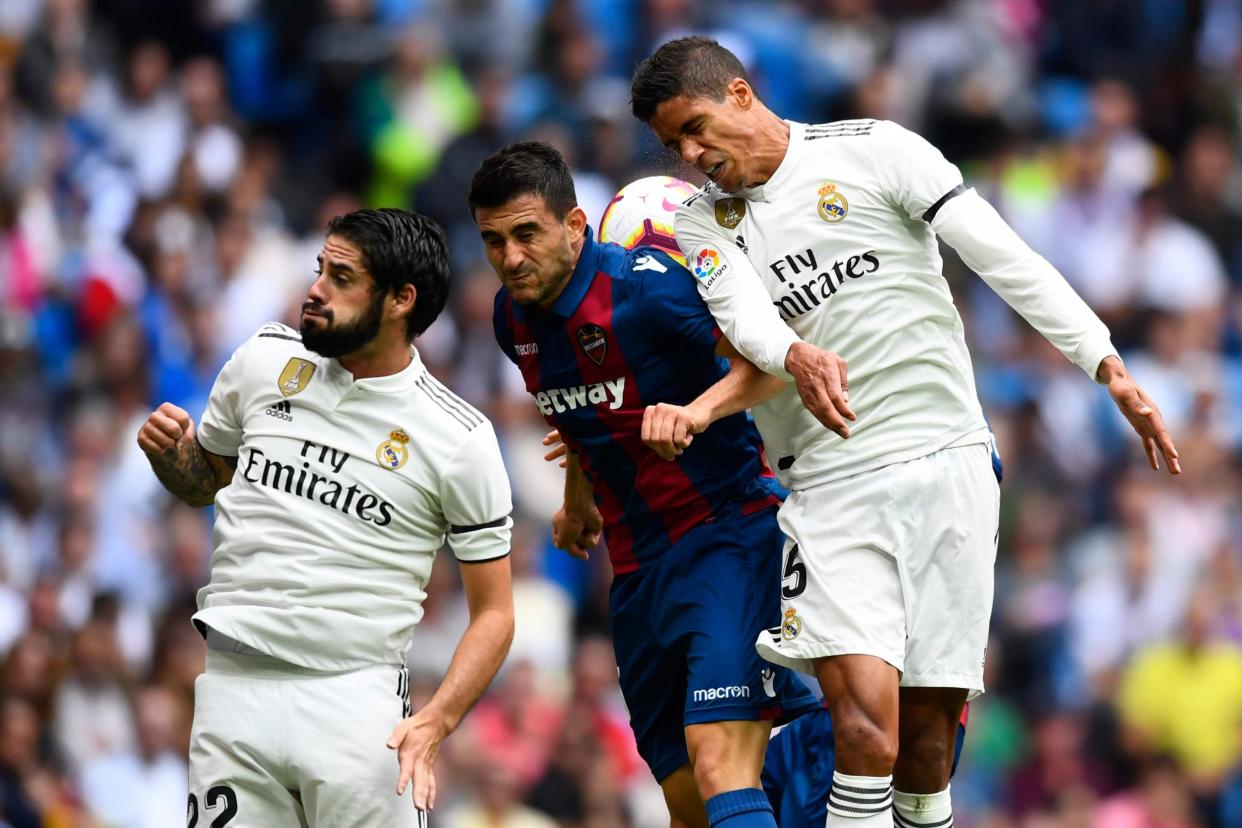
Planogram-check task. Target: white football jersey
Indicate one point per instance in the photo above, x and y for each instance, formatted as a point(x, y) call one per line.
point(838, 245)
point(344, 491)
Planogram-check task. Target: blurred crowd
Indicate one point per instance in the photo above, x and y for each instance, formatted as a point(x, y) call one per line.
point(166, 169)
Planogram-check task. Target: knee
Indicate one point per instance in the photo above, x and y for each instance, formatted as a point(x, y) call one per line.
point(726, 756)
point(864, 742)
point(926, 760)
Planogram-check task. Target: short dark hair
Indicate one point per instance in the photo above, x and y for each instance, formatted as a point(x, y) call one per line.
point(525, 168)
point(697, 67)
point(401, 247)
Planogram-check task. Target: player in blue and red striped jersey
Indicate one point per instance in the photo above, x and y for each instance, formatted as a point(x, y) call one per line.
point(600, 333)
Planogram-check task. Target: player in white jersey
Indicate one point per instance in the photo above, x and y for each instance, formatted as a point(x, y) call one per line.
point(826, 236)
point(338, 467)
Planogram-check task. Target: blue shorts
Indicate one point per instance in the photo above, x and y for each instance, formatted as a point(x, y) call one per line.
point(797, 770)
point(684, 632)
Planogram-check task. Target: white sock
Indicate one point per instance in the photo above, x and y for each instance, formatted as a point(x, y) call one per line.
point(860, 801)
point(922, 810)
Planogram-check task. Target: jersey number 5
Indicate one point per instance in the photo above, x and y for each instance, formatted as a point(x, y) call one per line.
point(793, 578)
point(211, 802)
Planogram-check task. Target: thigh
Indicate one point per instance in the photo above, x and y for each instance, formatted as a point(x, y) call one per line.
point(732, 598)
point(948, 553)
point(236, 777)
point(840, 589)
point(346, 772)
point(651, 671)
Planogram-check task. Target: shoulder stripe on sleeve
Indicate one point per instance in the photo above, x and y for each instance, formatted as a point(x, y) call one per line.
point(466, 408)
point(935, 208)
point(274, 335)
point(491, 524)
point(435, 397)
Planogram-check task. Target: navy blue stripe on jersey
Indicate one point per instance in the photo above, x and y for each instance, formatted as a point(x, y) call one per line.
point(630, 330)
point(940, 202)
point(491, 524)
point(281, 336)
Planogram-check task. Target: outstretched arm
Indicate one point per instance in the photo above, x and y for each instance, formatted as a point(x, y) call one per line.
point(1034, 288)
point(669, 429)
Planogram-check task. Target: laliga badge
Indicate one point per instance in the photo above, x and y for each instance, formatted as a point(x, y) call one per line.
point(832, 205)
point(295, 376)
point(791, 626)
point(392, 453)
point(594, 343)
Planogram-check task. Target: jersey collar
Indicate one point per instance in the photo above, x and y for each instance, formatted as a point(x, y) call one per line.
point(403, 380)
point(580, 282)
point(784, 170)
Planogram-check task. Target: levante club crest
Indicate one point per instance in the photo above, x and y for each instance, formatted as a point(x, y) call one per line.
point(594, 343)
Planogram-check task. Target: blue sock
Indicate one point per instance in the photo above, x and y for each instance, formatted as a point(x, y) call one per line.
point(743, 808)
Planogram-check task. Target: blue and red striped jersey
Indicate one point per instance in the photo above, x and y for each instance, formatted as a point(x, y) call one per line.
point(629, 330)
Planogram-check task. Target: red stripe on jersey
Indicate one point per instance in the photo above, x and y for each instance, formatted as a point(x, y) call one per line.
point(665, 487)
point(620, 540)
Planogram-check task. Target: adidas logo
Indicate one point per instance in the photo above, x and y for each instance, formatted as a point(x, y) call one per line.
point(281, 411)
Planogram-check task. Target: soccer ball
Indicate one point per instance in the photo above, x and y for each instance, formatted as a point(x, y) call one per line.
point(641, 214)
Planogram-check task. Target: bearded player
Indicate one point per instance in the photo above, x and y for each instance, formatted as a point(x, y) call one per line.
point(338, 467)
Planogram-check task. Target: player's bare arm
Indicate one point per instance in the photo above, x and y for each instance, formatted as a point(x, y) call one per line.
point(1142, 414)
point(484, 645)
point(578, 524)
point(669, 429)
point(185, 468)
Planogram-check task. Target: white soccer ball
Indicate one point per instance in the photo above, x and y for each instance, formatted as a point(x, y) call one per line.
point(641, 214)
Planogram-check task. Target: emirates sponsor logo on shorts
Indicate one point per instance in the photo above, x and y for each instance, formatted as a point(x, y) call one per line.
point(735, 691)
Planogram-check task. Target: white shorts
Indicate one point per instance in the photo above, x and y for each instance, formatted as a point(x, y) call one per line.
point(278, 746)
point(895, 563)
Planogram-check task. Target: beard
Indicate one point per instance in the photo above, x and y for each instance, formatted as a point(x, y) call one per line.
point(334, 341)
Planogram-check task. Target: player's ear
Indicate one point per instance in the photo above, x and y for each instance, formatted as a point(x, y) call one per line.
point(576, 221)
point(741, 93)
point(402, 302)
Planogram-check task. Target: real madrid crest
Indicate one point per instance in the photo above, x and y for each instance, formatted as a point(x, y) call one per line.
point(392, 453)
point(791, 625)
point(295, 376)
point(832, 205)
point(594, 342)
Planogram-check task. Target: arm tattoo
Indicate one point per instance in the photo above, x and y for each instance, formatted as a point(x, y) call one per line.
point(190, 473)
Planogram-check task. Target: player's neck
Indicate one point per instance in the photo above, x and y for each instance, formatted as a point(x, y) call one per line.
point(382, 357)
point(544, 305)
point(771, 143)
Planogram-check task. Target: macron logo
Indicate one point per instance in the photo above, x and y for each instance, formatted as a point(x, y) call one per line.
point(560, 400)
point(713, 693)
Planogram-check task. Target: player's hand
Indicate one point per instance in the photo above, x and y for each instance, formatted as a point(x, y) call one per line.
point(417, 741)
point(559, 450)
point(166, 429)
point(577, 530)
point(822, 384)
point(668, 429)
point(1142, 413)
